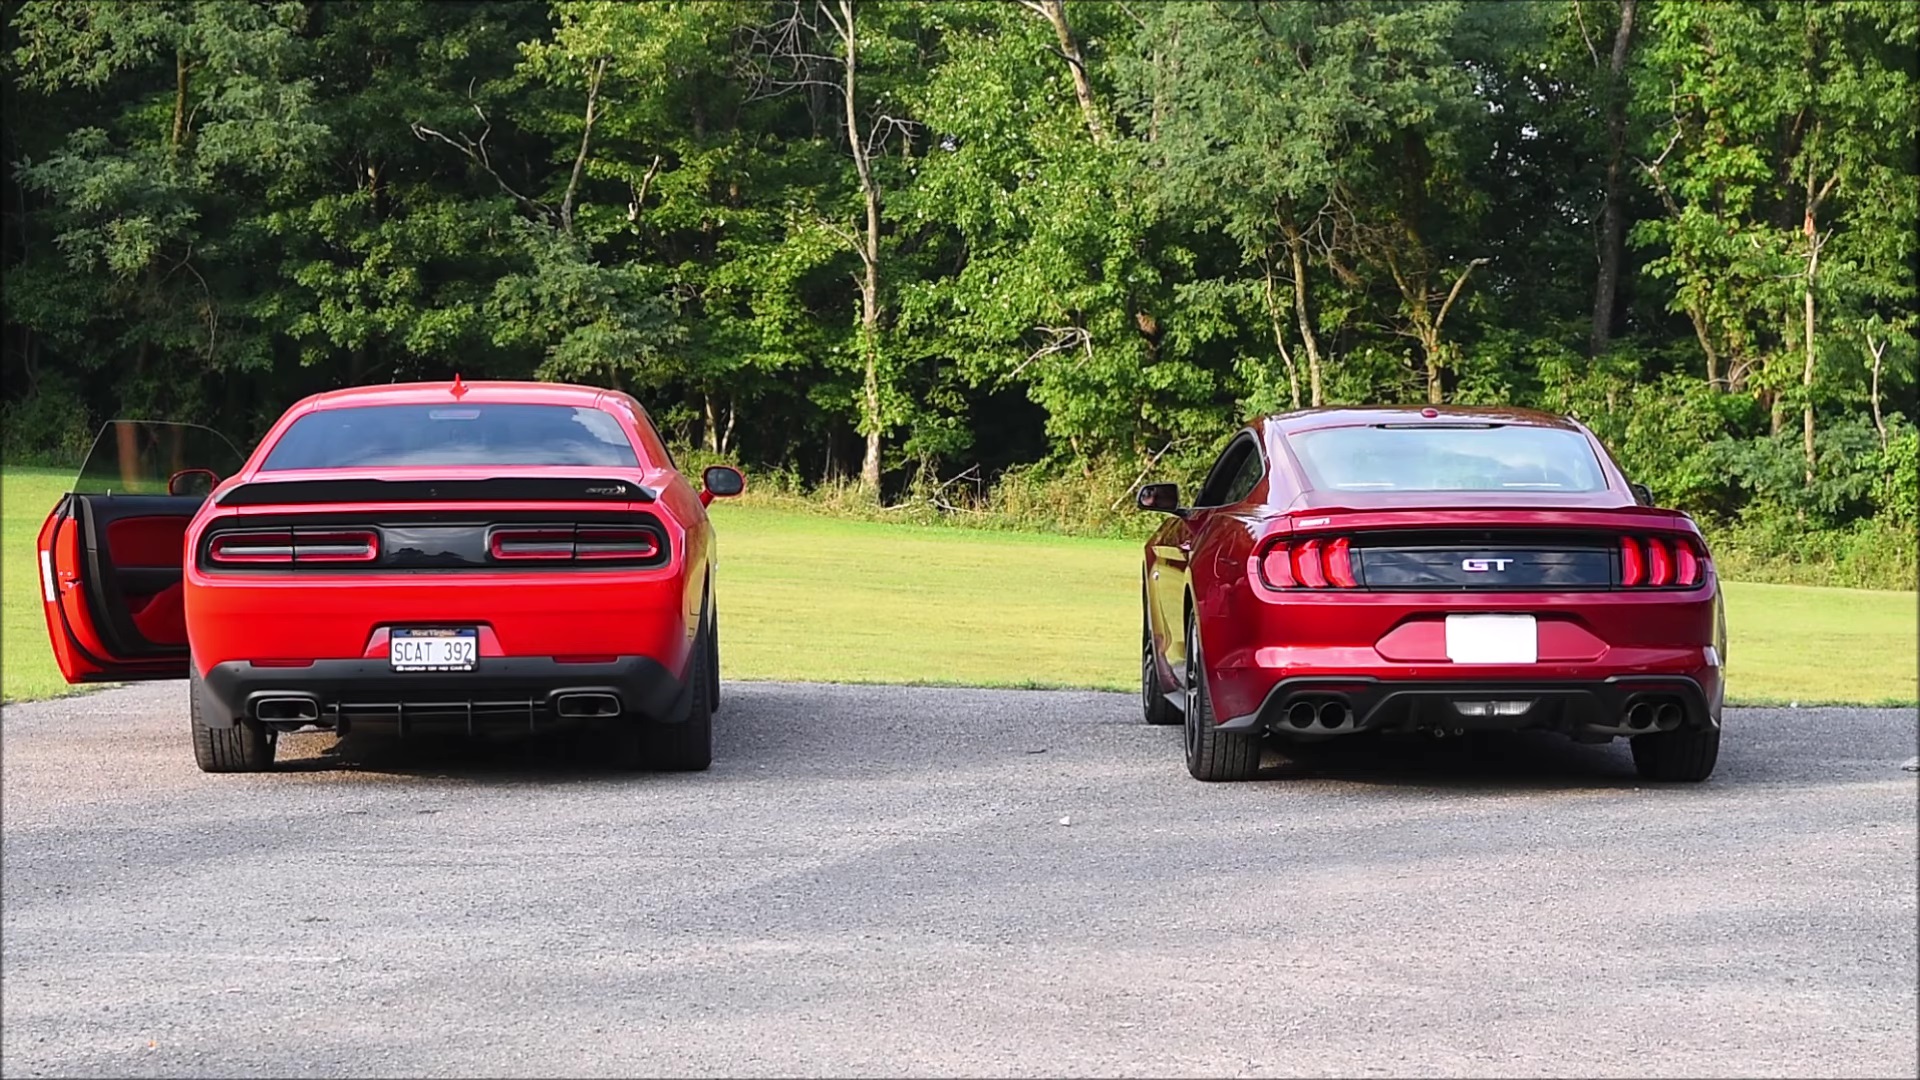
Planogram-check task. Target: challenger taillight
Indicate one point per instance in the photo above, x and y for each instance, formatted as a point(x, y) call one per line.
point(1659, 562)
point(1308, 564)
point(248, 548)
point(339, 546)
point(526, 544)
point(255, 547)
point(582, 543)
point(614, 542)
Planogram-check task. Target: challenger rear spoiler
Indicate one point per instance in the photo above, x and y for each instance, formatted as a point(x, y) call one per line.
point(492, 489)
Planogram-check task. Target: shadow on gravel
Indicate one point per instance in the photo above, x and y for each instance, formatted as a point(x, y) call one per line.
point(519, 758)
point(1489, 761)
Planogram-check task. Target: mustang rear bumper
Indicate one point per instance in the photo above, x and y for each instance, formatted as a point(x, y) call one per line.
point(1603, 706)
point(500, 691)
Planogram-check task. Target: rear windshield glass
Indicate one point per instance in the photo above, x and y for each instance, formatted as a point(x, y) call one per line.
point(383, 435)
point(1435, 458)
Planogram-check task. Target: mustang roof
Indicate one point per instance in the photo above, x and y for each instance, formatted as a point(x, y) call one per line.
point(1350, 416)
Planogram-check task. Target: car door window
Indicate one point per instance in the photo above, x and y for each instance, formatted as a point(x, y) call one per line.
point(1234, 476)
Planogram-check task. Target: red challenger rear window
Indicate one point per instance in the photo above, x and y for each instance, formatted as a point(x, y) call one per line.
point(1435, 457)
point(376, 435)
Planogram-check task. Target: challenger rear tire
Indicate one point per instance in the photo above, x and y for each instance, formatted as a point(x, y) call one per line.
point(1153, 700)
point(1213, 754)
point(713, 653)
point(247, 746)
point(1687, 755)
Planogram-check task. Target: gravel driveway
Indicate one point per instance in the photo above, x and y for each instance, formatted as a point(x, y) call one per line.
point(886, 880)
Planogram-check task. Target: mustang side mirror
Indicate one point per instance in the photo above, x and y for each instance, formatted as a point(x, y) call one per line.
point(720, 482)
point(1642, 494)
point(1161, 498)
point(199, 482)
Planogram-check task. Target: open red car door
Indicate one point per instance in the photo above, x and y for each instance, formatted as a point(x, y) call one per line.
point(111, 554)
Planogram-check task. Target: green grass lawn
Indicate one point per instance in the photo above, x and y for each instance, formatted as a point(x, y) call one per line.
point(806, 596)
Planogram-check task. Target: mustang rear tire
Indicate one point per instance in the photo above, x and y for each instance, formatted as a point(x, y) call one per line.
point(1213, 754)
point(1153, 700)
point(247, 746)
point(1685, 755)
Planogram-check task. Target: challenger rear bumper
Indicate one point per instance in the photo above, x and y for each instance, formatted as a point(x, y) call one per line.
point(1596, 706)
point(501, 691)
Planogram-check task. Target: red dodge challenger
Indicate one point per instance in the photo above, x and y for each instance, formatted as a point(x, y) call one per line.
point(448, 555)
point(1428, 569)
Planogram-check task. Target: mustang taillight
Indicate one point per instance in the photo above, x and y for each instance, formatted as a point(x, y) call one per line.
point(1308, 564)
point(1656, 562)
point(257, 546)
point(584, 543)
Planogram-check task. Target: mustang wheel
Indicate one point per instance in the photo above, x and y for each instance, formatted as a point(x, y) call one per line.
point(1687, 755)
point(1213, 754)
point(1153, 701)
point(247, 746)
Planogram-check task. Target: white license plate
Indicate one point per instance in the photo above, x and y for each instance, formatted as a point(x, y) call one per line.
point(1492, 639)
point(434, 650)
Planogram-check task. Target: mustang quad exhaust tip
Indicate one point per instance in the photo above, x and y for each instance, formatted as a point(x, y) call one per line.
point(1640, 716)
point(1333, 713)
point(1667, 715)
point(586, 706)
point(1300, 714)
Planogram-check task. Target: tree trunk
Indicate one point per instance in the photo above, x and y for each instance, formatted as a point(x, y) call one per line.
point(1879, 353)
point(1055, 12)
point(1612, 228)
point(1806, 374)
point(1280, 338)
point(1296, 248)
point(869, 258)
point(182, 80)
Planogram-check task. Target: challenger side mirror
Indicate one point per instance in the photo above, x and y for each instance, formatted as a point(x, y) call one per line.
point(199, 482)
point(720, 482)
point(1642, 494)
point(1160, 498)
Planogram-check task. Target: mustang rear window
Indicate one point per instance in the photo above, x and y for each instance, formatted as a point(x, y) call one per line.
point(376, 435)
point(1437, 458)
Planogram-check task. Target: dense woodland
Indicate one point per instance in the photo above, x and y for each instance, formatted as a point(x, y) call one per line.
point(1047, 247)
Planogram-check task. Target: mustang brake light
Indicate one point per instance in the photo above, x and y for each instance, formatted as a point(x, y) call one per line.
point(1310, 564)
point(1655, 562)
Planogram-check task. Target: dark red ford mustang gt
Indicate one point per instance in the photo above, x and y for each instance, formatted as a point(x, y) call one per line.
point(428, 555)
point(1437, 569)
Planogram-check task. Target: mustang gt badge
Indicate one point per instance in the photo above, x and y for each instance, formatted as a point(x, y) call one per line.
point(1481, 566)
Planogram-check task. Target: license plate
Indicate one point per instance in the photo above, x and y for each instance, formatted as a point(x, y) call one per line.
point(1492, 639)
point(447, 649)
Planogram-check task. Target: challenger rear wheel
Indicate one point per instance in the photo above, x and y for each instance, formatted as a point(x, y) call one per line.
point(1686, 755)
point(1153, 700)
point(247, 746)
point(1213, 754)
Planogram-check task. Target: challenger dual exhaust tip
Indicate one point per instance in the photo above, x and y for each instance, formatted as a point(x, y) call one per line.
point(586, 705)
point(286, 709)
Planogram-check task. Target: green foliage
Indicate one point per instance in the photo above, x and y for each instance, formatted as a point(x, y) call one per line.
point(1101, 244)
